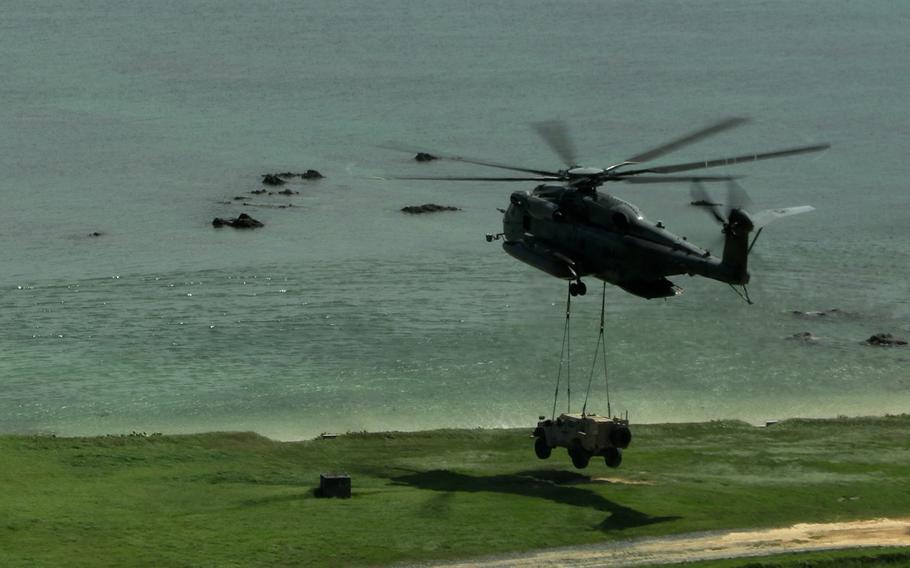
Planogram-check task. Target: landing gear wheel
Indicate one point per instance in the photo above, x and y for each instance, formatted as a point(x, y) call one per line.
point(613, 457)
point(580, 456)
point(541, 448)
point(577, 288)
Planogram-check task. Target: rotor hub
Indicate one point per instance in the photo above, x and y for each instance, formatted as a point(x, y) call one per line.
point(582, 172)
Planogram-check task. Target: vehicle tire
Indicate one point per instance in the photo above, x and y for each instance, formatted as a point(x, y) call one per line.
point(573, 289)
point(580, 456)
point(582, 288)
point(541, 448)
point(613, 457)
point(621, 437)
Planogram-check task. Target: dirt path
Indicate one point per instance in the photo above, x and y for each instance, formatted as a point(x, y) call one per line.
point(709, 546)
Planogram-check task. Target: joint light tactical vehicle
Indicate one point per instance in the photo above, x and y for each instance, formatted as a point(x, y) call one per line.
point(585, 436)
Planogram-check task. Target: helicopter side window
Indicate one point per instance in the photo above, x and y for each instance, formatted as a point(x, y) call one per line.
point(620, 221)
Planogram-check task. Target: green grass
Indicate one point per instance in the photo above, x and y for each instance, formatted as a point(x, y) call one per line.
point(238, 499)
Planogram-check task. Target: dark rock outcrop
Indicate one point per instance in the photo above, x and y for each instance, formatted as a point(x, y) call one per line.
point(424, 157)
point(259, 191)
point(428, 208)
point(272, 179)
point(288, 192)
point(243, 221)
point(885, 340)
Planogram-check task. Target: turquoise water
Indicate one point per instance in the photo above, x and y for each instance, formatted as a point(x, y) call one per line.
point(142, 121)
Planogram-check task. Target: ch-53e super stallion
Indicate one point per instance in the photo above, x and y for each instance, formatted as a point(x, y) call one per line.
point(570, 230)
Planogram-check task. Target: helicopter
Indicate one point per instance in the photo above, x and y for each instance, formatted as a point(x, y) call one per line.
point(566, 228)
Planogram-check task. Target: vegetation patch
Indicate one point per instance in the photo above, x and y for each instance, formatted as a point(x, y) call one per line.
point(240, 499)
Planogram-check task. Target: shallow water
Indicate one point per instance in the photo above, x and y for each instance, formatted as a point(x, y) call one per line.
point(143, 122)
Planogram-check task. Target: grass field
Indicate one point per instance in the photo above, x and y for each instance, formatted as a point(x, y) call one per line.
point(238, 499)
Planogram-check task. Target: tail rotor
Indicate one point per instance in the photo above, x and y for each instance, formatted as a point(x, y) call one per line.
point(737, 223)
point(737, 201)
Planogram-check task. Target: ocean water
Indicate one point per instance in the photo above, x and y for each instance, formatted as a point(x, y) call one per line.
point(142, 121)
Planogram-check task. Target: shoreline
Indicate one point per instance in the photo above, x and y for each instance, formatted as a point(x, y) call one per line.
point(530, 427)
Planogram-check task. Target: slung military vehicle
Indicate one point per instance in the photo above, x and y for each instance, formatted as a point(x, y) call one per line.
point(584, 436)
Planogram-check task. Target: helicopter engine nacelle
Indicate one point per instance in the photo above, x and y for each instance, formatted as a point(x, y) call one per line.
point(535, 206)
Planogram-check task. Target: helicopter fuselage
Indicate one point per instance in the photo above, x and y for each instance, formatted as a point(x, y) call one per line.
point(570, 233)
point(571, 230)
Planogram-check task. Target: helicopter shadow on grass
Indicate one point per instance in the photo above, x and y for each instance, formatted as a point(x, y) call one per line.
point(554, 485)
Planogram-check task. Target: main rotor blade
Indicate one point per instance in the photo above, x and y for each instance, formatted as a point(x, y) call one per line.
point(556, 134)
point(454, 158)
point(729, 161)
point(690, 138)
point(671, 179)
point(454, 178)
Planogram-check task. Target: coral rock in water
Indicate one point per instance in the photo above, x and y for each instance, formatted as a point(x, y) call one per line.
point(244, 221)
point(428, 208)
point(886, 339)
